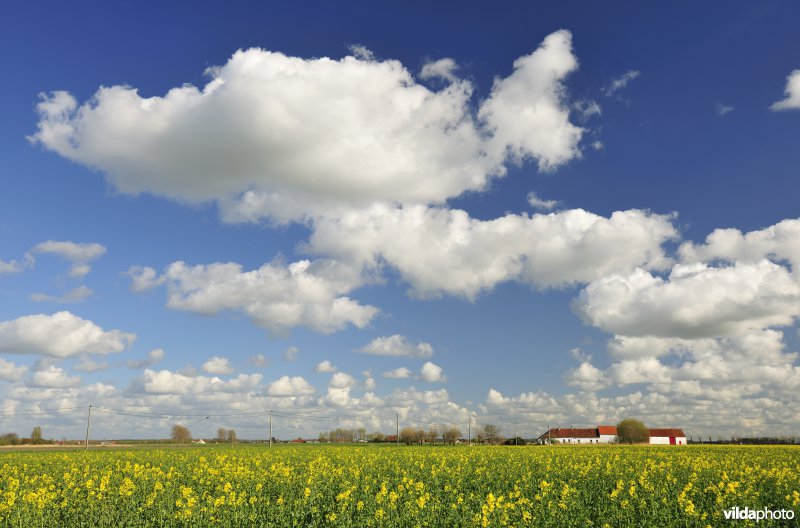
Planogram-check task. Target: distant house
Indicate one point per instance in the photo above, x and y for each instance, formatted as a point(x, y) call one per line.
point(606, 434)
point(570, 436)
point(667, 436)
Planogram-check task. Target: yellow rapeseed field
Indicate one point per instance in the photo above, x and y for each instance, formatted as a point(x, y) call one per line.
point(564, 486)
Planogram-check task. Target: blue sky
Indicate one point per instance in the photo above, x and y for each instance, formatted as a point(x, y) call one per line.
point(530, 214)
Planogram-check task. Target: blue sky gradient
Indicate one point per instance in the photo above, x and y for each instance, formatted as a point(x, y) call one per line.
point(691, 143)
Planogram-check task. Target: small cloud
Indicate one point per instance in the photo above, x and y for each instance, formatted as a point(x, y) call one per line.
point(90, 365)
point(587, 108)
point(792, 91)
point(259, 360)
point(598, 145)
point(14, 266)
point(325, 366)
point(398, 373)
point(218, 365)
point(440, 69)
point(144, 278)
point(723, 109)
point(580, 355)
point(75, 295)
point(397, 346)
point(288, 387)
point(432, 373)
point(291, 353)
point(153, 357)
point(79, 254)
point(342, 380)
point(361, 52)
point(620, 82)
point(538, 203)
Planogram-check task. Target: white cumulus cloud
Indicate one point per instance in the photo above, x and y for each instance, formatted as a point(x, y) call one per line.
point(441, 251)
point(218, 365)
point(792, 91)
point(290, 386)
point(276, 297)
point(431, 373)
point(60, 335)
point(325, 366)
point(398, 373)
point(285, 137)
point(397, 346)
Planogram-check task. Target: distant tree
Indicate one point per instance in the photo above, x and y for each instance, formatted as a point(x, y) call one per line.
point(36, 435)
point(490, 432)
point(222, 434)
point(181, 434)
point(9, 439)
point(515, 441)
point(432, 434)
point(630, 431)
point(231, 436)
point(420, 435)
point(362, 434)
point(323, 437)
point(408, 435)
point(451, 435)
point(376, 437)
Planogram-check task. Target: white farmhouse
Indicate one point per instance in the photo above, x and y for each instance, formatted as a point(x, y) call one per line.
point(667, 436)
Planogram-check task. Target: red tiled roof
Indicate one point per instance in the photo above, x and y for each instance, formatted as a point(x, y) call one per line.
point(667, 432)
point(570, 433)
point(607, 429)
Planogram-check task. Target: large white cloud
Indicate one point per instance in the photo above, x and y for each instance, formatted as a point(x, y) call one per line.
point(792, 91)
point(696, 300)
point(277, 297)
point(397, 346)
point(53, 377)
point(167, 382)
point(285, 137)
point(61, 335)
point(11, 372)
point(446, 251)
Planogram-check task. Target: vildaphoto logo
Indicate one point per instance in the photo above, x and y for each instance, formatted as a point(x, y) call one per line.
point(743, 514)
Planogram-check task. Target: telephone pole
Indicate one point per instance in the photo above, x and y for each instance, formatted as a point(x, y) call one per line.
point(88, 422)
point(270, 427)
point(397, 428)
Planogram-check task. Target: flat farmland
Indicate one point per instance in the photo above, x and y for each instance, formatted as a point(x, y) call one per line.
point(330, 485)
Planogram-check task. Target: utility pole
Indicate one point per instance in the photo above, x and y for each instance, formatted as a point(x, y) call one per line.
point(516, 438)
point(397, 428)
point(270, 427)
point(548, 434)
point(88, 422)
point(469, 431)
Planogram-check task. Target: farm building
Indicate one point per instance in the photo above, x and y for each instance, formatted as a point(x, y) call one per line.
point(667, 436)
point(570, 436)
point(605, 434)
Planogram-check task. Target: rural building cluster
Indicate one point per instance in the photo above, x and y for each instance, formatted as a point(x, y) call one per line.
point(606, 434)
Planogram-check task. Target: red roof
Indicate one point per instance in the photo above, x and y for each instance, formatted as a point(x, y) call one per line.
point(570, 433)
point(667, 432)
point(607, 429)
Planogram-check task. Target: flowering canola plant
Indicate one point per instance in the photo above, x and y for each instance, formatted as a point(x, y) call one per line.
point(329, 485)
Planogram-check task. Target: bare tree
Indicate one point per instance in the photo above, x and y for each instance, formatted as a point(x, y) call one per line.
point(433, 432)
point(490, 432)
point(451, 435)
point(181, 434)
point(222, 434)
point(408, 435)
point(231, 437)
